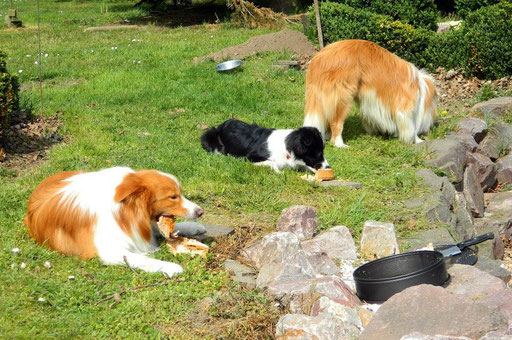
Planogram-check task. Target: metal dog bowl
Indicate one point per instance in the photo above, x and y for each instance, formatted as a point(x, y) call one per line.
point(228, 65)
point(378, 280)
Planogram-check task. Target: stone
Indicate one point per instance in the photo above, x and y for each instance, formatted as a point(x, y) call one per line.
point(189, 229)
point(462, 219)
point(496, 336)
point(498, 204)
point(378, 240)
point(244, 275)
point(467, 141)
point(337, 308)
point(300, 295)
point(485, 170)
point(300, 220)
point(498, 141)
point(445, 27)
point(213, 232)
point(432, 310)
point(336, 242)
point(446, 154)
point(322, 264)
point(472, 283)
point(321, 327)
point(504, 173)
point(434, 205)
point(493, 268)
point(421, 239)
point(437, 183)
point(365, 315)
point(474, 127)
point(491, 249)
point(421, 336)
point(494, 108)
point(473, 192)
point(340, 183)
point(501, 299)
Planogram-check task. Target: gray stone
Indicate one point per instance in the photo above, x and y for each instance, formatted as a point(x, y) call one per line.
point(300, 295)
point(431, 310)
point(437, 183)
point(421, 336)
point(467, 140)
point(336, 242)
point(340, 183)
point(474, 127)
point(494, 108)
point(321, 327)
point(492, 249)
point(300, 220)
point(496, 336)
point(472, 282)
point(447, 154)
point(462, 219)
point(378, 240)
point(498, 141)
point(244, 275)
point(473, 191)
point(337, 308)
point(498, 204)
point(213, 232)
point(189, 229)
point(493, 268)
point(434, 205)
point(322, 264)
point(501, 299)
point(421, 239)
point(485, 170)
point(504, 167)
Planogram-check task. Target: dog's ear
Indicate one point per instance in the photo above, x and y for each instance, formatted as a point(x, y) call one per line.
point(130, 186)
point(307, 140)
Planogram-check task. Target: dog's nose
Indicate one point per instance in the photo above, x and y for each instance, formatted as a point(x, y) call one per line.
point(199, 212)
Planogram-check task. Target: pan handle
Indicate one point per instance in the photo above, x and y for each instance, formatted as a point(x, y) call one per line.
point(475, 240)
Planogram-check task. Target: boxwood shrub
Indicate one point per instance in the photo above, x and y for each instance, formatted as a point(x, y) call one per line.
point(464, 7)
point(488, 41)
point(418, 13)
point(9, 101)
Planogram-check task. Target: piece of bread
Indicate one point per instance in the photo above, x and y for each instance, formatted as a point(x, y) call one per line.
point(325, 174)
point(182, 245)
point(166, 226)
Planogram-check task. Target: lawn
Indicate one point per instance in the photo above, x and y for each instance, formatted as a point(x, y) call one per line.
point(135, 98)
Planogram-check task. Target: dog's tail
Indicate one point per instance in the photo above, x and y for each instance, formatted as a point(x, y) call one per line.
point(210, 140)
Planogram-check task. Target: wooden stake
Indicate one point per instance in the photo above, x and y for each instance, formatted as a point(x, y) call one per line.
point(318, 25)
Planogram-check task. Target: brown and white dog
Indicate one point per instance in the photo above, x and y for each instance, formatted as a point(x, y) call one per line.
point(395, 98)
point(110, 213)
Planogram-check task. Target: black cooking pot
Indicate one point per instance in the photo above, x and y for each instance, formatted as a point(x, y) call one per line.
point(378, 280)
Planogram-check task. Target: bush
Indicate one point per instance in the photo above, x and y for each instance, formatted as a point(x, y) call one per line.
point(341, 21)
point(9, 101)
point(488, 41)
point(447, 50)
point(418, 13)
point(464, 7)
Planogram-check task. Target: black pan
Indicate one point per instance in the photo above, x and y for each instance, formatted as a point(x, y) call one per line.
point(378, 280)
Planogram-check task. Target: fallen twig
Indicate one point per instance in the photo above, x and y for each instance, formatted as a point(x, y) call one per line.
point(127, 264)
point(131, 289)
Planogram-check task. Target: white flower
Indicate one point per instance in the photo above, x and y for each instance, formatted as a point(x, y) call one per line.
point(13, 265)
point(47, 264)
point(28, 55)
point(41, 299)
point(114, 48)
point(20, 71)
point(23, 265)
point(46, 55)
point(71, 277)
point(16, 250)
point(36, 62)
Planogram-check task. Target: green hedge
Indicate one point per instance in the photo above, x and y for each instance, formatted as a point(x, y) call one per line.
point(341, 21)
point(488, 41)
point(465, 7)
point(9, 101)
point(418, 13)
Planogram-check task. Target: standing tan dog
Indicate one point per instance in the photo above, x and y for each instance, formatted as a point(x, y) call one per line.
point(395, 97)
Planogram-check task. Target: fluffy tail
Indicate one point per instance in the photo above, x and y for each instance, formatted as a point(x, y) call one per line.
point(210, 140)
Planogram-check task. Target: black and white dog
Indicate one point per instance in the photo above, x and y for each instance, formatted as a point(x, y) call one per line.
point(297, 149)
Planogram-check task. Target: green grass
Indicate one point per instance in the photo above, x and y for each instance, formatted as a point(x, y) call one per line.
point(117, 111)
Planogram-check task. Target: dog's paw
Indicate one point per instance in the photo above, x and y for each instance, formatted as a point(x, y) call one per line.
point(170, 269)
point(189, 229)
point(341, 145)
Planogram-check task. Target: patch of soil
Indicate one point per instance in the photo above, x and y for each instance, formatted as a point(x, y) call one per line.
point(293, 41)
point(27, 140)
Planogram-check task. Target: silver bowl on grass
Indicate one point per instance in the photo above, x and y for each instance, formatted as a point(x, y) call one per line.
point(228, 65)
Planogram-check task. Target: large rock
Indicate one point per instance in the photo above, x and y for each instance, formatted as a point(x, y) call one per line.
point(474, 127)
point(501, 299)
point(300, 220)
point(421, 239)
point(498, 141)
point(485, 170)
point(244, 275)
point(320, 327)
point(447, 154)
point(434, 205)
point(462, 218)
point(279, 258)
point(378, 240)
point(441, 184)
point(498, 212)
point(322, 264)
point(472, 283)
point(494, 108)
point(301, 294)
point(337, 308)
point(432, 310)
point(467, 141)
point(493, 267)
point(336, 242)
point(504, 167)
point(421, 336)
point(492, 249)
point(473, 191)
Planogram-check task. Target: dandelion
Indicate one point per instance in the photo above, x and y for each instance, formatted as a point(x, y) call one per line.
point(16, 250)
point(443, 113)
